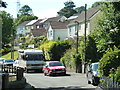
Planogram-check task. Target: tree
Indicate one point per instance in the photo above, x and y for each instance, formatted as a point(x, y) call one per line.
point(96, 4)
point(80, 9)
point(8, 28)
point(25, 14)
point(25, 18)
point(68, 10)
point(25, 11)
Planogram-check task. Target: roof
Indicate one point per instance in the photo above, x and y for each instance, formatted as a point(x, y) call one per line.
point(81, 17)
point(24, 23)
point(59, 25)
point(32, 22)
point(38, 32)
point(54, 18)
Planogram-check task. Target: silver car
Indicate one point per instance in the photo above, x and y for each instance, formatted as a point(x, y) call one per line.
point(8, 62)
point(1, 61)
point(92, 73)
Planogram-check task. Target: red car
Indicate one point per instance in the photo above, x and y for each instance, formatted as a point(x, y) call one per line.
point(53, 68)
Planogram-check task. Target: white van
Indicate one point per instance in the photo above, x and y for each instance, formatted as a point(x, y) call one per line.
point(31, 59)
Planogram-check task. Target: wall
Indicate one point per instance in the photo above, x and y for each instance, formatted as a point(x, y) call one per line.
point(61, 33)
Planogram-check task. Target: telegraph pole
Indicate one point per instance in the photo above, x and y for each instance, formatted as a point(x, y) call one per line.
point(18, 6)
point(83, 66)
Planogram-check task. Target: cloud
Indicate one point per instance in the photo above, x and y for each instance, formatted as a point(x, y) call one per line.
point(46, 14)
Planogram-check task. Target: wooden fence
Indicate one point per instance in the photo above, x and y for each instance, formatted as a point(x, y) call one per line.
point(10, 74)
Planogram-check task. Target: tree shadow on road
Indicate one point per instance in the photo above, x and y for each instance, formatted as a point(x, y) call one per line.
point(65, 88)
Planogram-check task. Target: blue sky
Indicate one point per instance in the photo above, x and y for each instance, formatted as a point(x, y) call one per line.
point(43, 8)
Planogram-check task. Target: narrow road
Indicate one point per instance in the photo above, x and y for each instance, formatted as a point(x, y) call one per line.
point(70, 81)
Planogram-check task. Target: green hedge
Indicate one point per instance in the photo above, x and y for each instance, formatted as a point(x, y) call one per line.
point(109, 60)
point(54, 50)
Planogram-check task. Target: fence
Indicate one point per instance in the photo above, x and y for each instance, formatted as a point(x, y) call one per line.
point(9, 73)
point(109, 84)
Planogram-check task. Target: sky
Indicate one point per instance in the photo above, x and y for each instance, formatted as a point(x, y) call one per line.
point(43, 8)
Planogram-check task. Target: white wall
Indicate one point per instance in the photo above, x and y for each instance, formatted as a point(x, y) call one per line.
point(61, 33)
point(71, 31)
point(50, 34)
point(82, 29)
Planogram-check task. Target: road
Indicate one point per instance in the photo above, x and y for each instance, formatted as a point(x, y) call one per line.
point(69, 81)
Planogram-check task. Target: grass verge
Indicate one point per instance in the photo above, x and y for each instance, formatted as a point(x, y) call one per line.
point(8, 56)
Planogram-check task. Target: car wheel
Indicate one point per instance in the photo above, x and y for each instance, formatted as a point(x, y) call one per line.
point(93, 81)
point(89, 82)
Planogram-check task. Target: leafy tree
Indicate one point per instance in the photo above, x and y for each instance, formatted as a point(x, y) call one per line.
point(25, 18)
point(8, 29)
point(108, 32)
point(109, 60)
point(54, 50)
point(96, 4)
point(80, 9)
point(25, 14)
point(68, 10)
point(25, 11)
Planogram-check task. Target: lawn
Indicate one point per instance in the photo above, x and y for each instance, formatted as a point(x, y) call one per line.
point(8, 56)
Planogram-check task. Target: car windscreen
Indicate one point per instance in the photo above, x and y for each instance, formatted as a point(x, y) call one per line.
point(1, 60)
point(33, 57)
point(95, 67)
point(9, 60)
point(55, 64)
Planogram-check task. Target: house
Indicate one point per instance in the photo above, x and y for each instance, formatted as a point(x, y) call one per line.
point(55, 27)
point(56, 19)
point(21, 29)
point(35, 28)
point(79, 23)
point(57, 30)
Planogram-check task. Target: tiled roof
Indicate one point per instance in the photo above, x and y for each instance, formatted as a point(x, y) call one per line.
point(59, 25)
point(38, 32)
point(53, 18)
point(81, 17)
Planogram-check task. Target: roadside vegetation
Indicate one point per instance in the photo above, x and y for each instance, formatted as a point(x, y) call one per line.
point(102, 45)
point(8, 55)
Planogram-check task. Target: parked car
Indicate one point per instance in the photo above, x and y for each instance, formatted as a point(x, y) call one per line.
point(92, 73)
point(53, 68)
point(8, 62)
point(1, 60)
point(16, 63)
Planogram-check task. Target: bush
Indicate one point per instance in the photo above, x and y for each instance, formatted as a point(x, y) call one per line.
point(117, 74)
point(54, 50)
point(109, 60)
point(72, 60)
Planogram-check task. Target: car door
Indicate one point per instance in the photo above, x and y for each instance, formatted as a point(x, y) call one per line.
point(90, 73)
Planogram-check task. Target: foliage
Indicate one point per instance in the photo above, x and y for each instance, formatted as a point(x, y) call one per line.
point(25, 11)
point(117, 74)
point(25, 18)
point(91, 50)
point(68, 59)
point(109, 60)
point(8, 29)
point(80, 9)
point(54, 50)
point(25, 14)
point(8, 56)
point(68, 9)
point(37, 41)
point(96, 4)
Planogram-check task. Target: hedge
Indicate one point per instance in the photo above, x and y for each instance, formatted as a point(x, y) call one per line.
point(54, 50)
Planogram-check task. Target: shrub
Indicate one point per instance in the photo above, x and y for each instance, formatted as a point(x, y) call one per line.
point(54, 50)
point(109, 60)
